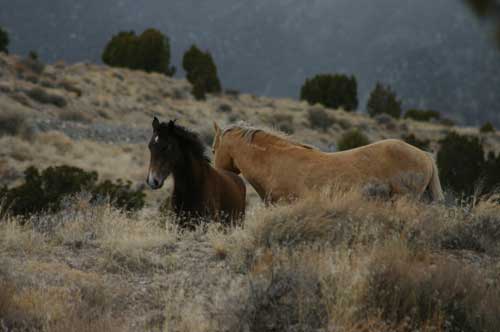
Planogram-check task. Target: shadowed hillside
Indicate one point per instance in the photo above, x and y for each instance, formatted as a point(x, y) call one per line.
point(333, 261)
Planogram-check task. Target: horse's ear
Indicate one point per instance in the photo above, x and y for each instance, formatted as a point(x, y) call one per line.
point(216, 128)
point(156, 124)
point(171, 125)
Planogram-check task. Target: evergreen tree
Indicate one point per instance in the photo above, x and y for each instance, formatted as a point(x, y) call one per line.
point(333, 91)
point(4, 41)
point(149, 52)
point(461, 162)
point(384, 100)
point(201, 72)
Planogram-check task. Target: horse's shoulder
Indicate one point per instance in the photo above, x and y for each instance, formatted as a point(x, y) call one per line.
point(229, 176)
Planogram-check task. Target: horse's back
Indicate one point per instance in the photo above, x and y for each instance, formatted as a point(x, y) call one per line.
point(391, 162)
point(404, 167)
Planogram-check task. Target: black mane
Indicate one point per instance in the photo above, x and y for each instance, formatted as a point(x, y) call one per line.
point(188, 140)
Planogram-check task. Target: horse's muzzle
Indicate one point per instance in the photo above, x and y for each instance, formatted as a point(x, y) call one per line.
point(153, 182)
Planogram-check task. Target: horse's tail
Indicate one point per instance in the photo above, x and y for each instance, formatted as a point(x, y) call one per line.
point(434, 186)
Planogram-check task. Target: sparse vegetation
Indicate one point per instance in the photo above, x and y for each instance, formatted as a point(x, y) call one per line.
point(14, 124)
point(487, 128)
point(460, 160)
point(422, 115)
point(352, 139)
point(149, 52)
point(333, 91)
point(384, 100)
point(74, 116)
point(284, 122)
point(42, 96)
point(423, 144)
point(447, 122)
point(319, 118)
point(201, 72)
point(333, 258)
point(4, 41)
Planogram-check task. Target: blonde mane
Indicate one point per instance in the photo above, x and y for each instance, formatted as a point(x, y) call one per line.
point(248, 132)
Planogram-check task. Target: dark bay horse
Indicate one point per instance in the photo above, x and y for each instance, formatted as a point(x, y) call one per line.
point(200, 191)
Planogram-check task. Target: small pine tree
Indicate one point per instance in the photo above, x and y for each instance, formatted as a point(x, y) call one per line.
point(4, 41)
point(154, 52)
point(460, 161)
point(384, 100)
point(333, 91)
point(33, 55)
point(487, 128)
point(201, 72)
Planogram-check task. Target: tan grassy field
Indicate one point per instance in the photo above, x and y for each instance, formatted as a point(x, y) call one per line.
point(331, 262)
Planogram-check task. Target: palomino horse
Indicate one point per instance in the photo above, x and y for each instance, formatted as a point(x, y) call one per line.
point(280, 169)
point(200, 191)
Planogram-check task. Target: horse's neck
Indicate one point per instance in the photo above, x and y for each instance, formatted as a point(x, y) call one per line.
point(189, 181)
point(256, 163)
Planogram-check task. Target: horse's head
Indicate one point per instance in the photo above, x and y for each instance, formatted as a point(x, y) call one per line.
point(165, 151)
point(222, 156)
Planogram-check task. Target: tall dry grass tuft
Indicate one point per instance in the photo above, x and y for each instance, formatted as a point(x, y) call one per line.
point(341, 261)
point(54, 297)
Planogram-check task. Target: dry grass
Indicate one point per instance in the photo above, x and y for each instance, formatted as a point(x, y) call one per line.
point(333, 261)
point(54, 148)
point(341, 262)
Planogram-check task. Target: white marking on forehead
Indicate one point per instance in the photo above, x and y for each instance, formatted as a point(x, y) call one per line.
point(157, 138)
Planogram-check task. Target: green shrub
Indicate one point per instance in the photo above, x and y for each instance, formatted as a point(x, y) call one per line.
point(232, 92)
point(45, 191)
point(30, 68)
point(422, 115)
point(319, 118)
point(13, 124)
point(120, 194)
point(487, 128)
point(352, 139)
point(283, 122)
point(43, 97)
point(491, 173)
point(423, 144)
point(201, 72)
point(4, 41)
point(447, 122)
point(383, 100)
point(33, 55)
point(460, 161)
point(149, 52)
point(333, 91)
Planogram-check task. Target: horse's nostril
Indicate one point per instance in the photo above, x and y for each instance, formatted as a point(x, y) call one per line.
point(156, 182)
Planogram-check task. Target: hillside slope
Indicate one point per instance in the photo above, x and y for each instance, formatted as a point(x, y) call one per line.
point(108, 111)
point(334, 261)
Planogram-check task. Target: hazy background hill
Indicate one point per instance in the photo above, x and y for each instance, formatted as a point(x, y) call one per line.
point(435, 54)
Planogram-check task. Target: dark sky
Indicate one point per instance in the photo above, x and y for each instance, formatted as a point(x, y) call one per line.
point(436, 54)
